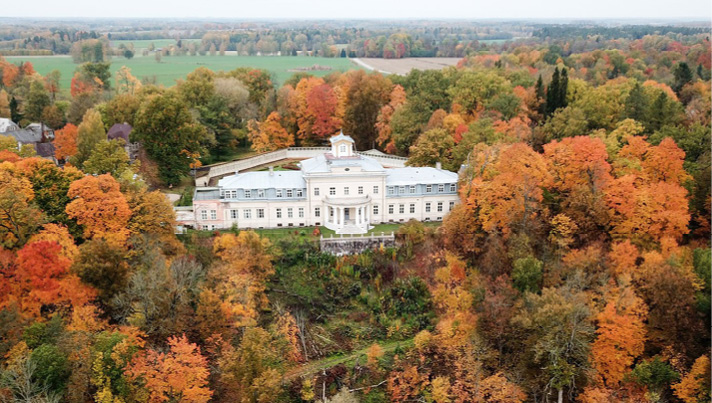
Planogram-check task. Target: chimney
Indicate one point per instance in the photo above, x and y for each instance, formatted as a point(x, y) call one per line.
point(271, 170)
point(438, 165)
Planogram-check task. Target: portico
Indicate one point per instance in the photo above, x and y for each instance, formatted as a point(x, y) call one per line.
point(348, 215)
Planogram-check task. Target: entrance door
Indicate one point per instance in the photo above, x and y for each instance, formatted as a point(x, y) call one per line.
point(346, 213)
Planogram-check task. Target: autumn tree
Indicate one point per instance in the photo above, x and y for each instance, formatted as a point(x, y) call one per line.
point(431, 147)
point(620, 340)
point(108, 157)
point(560, 334)
point(506, 188)
point(647, 200)
point(89, 133)
point(51, 185)
point(169, 134)
point(126, 83)
point(383, 124)
point(98, 205)
point(269, 135)
point(581, 174)
point(18, 216)
point(42, 278)
point(364, 95)
point(180, 374)
point(694, 387)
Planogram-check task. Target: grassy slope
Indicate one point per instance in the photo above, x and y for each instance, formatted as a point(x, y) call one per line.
point(313, 367)
point(172, 68)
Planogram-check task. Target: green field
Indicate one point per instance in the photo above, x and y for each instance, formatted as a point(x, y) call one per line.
point(172, 68)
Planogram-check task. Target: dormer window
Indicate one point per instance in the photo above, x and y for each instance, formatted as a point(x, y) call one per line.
point(342, 149)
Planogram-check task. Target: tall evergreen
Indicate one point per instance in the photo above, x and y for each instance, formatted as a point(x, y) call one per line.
point(683, 75)
point(563, 88)
point(540, 88)
point(15, 114)
point(553, 93)
point(636, 105)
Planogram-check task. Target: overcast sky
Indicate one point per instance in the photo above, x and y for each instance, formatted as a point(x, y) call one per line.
point(316, 9)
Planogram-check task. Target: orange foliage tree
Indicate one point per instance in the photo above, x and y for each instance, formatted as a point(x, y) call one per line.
point(100, 207)
point(65, 141)
point(506, 190)
point(269, 135)
point(181, 374)
point(694, 387)
point(580, 173)
point(621, 338)
point(647, 201)
point(41, 277)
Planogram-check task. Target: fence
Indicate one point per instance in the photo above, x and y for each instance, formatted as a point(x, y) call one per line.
point(351, 244)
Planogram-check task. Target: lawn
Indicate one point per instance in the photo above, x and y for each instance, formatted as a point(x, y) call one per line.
point(172, 68)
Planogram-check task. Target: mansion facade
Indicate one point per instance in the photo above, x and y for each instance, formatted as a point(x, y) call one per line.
point(341, 190)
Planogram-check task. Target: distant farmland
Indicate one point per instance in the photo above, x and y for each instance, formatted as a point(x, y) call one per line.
point(172, 68)
point(403, 66)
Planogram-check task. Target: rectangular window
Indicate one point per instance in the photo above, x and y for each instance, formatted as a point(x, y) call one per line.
point(248, 193)
point(401, 190)
point(412, 189)
point(279, 213)
point(301, 212)
point(360, 190)
point(332, 191)
point(375, 209)
point(213, 214)
point(427, 207)
point(317, 212)
point(300, 193)
point(390, 209)
point(316, 191)
point(260, 193)
point(391, 190)
point(375, 190)
point(441, 188)
point(247, 213)
point(290, 212)
point(440, 207)
point(279, 192)
point(233, 214)
point(204, 215)
point(346, 191)
point(452, 204)
point(429, 189)
point(401, 208)
point(289, 193)
point(412, 208)
point(453, 187)
point(260, 213)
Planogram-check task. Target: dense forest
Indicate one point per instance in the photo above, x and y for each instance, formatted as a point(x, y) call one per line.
point(575, 269)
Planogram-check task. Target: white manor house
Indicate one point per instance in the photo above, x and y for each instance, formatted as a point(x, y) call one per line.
point(339, 189)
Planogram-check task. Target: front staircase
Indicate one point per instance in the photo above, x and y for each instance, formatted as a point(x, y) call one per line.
point(350, 227)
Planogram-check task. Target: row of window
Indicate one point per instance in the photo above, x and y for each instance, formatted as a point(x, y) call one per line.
point(428, 189)
point(411, 207)
point(289, 193)
point(260, 193)
point(260, 212)
point(347, 191)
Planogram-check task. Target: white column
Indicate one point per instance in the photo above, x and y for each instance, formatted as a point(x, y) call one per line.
point(342, 217)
